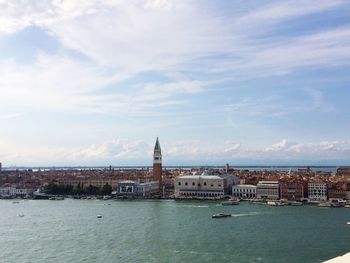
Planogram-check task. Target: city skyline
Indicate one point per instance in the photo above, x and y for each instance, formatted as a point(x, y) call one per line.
point(238, 82)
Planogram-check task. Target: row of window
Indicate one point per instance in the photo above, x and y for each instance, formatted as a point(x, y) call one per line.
point(193, 184)
point(243, 190)
point(204, 194)
point(249, 195)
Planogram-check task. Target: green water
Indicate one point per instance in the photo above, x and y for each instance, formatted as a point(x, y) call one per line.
point(169, 231)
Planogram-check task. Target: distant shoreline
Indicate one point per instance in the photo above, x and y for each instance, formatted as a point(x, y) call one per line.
point(171, 167)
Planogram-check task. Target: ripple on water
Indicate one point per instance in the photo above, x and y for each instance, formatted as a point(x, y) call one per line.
point(168, 232)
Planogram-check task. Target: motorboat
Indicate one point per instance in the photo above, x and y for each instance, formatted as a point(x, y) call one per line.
point(99, 216)
point(295, 203)
point(230, 202)
point(348, 223)
point(57, 198)
point(272, 203)
point(329, 204)
point(221, 215)
point(325, 204)
point(20, 215)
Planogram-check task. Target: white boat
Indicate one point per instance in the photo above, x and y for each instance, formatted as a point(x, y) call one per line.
point(272, 203)
point(348, 223)
point(230, 202)
point(221, 215)
point(324, 204)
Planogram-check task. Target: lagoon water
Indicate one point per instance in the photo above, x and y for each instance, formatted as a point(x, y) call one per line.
point(168, 231)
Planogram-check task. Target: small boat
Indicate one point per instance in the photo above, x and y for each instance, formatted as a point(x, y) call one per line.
point(295, 203)
point(20, 215)
point(230, 202)
point(325, 204)
point(99, 216)
point(348, 223)
point(57, 198)
point(347, 206)
point(221, 215)
point(272, 203)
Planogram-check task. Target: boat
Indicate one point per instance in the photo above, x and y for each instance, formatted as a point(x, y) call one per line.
point(325, 204)
point(57, 198)
point(99, 216)
point(276, 203)
point(348, 223)
point(221, 215)
point(347, 206)
point(329, 204)
point(230, 202)
point(20, 215)
point(295, 203)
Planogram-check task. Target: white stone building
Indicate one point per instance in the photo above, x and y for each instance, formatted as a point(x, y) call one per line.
point(244, 191)
point(204, 186)
point(133, 188)
point(317, 191)
point(13, 192)
point(268, 190)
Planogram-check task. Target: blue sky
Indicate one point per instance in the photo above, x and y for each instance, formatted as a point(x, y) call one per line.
point(244, 82)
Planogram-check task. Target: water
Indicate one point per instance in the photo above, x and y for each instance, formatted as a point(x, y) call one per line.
point(169, 231)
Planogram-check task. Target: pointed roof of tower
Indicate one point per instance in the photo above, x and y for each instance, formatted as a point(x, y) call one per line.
point(157, 146)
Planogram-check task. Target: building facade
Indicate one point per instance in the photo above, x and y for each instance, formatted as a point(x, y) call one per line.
point(14, 192)
point(267, 190)
point(244, 191)
point(130, 188)
point(292, 190)
point(317, 191)
point(204, 186)
point(335, 194)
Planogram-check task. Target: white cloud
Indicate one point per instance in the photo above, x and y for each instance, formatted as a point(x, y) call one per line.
point(285, 10)
point(178, 87)
point(8, 116)
point(139, 152)
point(282, 145)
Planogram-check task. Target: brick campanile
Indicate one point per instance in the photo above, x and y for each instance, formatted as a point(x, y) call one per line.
point(157, 165)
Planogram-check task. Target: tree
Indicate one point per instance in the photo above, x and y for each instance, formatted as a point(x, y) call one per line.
point(106, 189)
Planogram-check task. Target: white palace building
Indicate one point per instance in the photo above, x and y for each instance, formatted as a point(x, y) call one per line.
point(204, 185)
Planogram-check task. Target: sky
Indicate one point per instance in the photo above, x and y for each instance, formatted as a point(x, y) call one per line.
point(92, 82)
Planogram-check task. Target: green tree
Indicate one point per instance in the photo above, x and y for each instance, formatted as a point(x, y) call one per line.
point(106, 189)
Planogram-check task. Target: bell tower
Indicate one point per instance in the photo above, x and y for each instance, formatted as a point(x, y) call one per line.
point(157, 165)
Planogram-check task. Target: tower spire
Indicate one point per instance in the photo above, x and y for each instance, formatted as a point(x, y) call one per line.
point(157, 145)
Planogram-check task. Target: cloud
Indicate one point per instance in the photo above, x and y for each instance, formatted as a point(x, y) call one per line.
point(10, 116)
point(191, 87)
point(280, 146)
point(137, 36)
point(193, 152)
point(277, 12)
point(278, 106)
point(62, 84)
